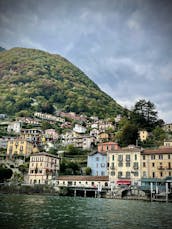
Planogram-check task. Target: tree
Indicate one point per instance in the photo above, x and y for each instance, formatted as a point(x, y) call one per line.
point(127, 135)
point(144, 115)
point(88, 171)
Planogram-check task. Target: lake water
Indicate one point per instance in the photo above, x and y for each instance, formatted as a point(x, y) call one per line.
point(35, 211)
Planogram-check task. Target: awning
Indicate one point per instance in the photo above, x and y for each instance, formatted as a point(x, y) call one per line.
point(126, 182)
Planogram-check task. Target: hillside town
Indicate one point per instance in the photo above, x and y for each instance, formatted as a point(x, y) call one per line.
point(36, 153)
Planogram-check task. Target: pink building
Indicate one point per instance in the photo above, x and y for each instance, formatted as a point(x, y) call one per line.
point(108, 146)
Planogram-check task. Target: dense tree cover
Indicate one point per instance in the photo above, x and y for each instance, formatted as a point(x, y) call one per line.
point(145, 116)
point(142, 117)
point(33, 80)
point(5, 174)
point(70, 168)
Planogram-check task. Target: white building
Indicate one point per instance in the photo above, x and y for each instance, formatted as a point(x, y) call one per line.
point(43, 168)
point(14, 127)
point(79, 129)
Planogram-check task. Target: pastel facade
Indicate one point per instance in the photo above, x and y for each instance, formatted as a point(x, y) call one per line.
point(98, 163)
point(107, 146)
point(124, 166)
point(43, 168)
point(143, 135)
point(51, 133)
point(19, 147)
point(168, 143)
point(156, 163)
point(103, 136)
point(167, 127)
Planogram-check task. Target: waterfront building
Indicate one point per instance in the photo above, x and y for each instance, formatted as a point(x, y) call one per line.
point(83, 181)
point(20, 147)
point(124, 166)
point(43, 168)
point(97, 161)
point(156, 163)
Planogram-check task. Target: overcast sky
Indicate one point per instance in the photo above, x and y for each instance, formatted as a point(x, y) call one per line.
point(124, 46)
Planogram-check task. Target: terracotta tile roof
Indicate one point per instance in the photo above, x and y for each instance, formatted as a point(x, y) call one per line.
point(157, 151)
point(44, 154)
point(84, 178)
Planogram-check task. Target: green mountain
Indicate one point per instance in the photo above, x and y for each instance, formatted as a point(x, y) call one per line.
point(33, 80)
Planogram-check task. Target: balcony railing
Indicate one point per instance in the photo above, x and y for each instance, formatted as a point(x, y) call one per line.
point(112, 167)
point(161, 168)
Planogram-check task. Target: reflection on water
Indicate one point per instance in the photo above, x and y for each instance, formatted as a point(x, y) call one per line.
point(33, 211)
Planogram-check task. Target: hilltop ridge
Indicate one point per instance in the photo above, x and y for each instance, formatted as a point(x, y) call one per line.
point(34, 80)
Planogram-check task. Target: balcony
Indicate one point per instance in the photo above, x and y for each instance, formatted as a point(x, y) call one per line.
point(161, 168)
point(135, 167)
point(112, 167)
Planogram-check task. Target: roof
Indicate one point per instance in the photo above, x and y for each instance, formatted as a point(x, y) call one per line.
point(157, 151)
point(124, 150)
point(44, 154)
point(84, 178)
point(102, 153)
point(108, 143)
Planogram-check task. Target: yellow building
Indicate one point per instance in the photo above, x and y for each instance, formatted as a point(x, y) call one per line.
point(156, 163)
point(124, 166)
point(20, 147)
point(43, 168)
point(143, 135)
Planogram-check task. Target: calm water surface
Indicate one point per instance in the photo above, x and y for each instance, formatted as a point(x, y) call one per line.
point(35, 211)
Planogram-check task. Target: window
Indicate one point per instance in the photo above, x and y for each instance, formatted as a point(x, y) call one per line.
point(136, 174)
point(120, 157)
point(135, 157)
point(136, 165)
point(92, 183)
point(112, 165)
point(102, 173)
point(112, 173)
point(102, 165)
point(128, 157)
point(144, 164)
point(127, 164)
point(153, 174)
point(97, 158)
point(153, 164)
point(127, 174)
point(170, 173)
point(144, 157)
point(160, 156)
point(112, 157)
point(120, 164)
point(161, 174)
point(168, 156)
point(119, 174)
point(169, 165)
point(144, 174)
point(152, 157)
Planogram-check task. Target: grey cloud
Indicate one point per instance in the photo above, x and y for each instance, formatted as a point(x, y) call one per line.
point(124, 46)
